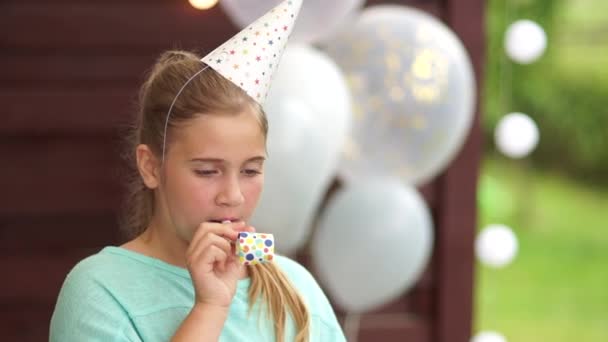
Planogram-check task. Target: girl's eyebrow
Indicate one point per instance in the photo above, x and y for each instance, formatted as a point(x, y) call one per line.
point(220, 160)
point(256, 159)
point(207, 160)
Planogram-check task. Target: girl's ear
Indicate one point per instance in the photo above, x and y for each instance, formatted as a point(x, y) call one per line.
point(148, 166)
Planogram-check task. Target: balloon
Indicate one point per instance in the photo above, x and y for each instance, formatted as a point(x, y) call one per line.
point(488, 336)
point(373, 242)
point(313, 77)
point(516, 135)
point(496, 246)
point(292, 187)
point(525, 41)
point(318, 19)
point(413, 90)
point(308, 110)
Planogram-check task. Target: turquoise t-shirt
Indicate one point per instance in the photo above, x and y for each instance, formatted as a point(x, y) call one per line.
point(119, 295)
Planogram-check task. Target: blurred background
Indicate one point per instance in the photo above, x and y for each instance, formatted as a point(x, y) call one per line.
point(438, 165)
point(553, 199)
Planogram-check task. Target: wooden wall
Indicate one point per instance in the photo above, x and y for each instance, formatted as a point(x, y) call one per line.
point(69, 72)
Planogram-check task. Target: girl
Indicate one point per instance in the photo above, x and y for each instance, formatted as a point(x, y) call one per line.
point(199, 177)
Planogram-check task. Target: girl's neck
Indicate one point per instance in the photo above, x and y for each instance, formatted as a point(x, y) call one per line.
point(160, 244)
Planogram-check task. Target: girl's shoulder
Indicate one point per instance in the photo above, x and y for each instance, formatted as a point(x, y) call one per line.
point(116, 262)
point(106, 292)
point(89, 272)
point(85, 307)
point(116, 276)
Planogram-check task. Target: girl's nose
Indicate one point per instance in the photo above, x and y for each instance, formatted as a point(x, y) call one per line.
point(230, 194)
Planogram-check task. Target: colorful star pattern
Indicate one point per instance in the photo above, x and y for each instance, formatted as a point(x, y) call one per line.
point(259, 42)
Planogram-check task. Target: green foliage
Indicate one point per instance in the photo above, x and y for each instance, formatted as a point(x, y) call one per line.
point(564, 91)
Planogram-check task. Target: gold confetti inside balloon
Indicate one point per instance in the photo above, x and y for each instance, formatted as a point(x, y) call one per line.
point(413, 92)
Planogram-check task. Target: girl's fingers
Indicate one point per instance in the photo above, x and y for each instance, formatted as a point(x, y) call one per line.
point(208, 241)
point(211, 235)
point(214, 257)
point(210, 227)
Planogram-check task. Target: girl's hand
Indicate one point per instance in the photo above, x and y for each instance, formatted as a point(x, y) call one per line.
point(212, 264)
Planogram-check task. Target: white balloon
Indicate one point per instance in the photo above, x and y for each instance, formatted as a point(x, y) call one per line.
point(516, 135)
point(525, 41)
point(488, 336)
point(313, 77)
point(413, 92)
point(318, 19)
point(309, 112)
point(496, 246)
point(373, 242)
point(296, 173)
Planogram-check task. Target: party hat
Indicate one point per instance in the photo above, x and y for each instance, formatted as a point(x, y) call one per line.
point(250, 58)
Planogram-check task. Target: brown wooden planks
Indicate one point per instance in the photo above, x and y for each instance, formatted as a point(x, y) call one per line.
point(457, 193)
point(107, 27)
point(59, 175)
point(35, 278)
point(87, 111)
point(55, 233)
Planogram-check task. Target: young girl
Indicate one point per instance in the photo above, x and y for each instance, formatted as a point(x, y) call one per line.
point(178, 278)
point(199, 177)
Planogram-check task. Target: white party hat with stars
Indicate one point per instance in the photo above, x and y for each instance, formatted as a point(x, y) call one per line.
point(250, 58)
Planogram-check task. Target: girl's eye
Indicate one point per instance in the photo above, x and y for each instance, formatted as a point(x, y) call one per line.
point(205, 172)
point(251, 172)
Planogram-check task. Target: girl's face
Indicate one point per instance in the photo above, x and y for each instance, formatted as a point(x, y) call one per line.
point(214, 170)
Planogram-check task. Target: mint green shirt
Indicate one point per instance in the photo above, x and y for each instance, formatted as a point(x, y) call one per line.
point(118, 295)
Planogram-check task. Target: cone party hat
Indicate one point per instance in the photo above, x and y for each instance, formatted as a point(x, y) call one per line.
point(250, 58)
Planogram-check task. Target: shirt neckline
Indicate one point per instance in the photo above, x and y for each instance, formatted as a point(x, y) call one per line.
point(148, 260)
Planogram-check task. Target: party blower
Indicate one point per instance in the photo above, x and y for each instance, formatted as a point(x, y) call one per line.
point(253, 248)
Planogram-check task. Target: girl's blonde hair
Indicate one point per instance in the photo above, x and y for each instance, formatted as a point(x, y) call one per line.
point(209, 92)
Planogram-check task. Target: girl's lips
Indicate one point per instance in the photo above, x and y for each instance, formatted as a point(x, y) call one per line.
point(225, 220)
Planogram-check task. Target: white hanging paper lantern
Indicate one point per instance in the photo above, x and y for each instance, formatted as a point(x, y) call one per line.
point(496, 246)
point(488, 336)
point(525, 41)
point(516, 135)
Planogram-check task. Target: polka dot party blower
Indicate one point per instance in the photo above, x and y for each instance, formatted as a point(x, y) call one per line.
point(254, 248)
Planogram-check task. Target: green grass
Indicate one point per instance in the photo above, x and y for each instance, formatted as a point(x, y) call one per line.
point(557, 288)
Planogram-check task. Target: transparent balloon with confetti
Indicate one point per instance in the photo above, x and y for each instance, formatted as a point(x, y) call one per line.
point(413, 91)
